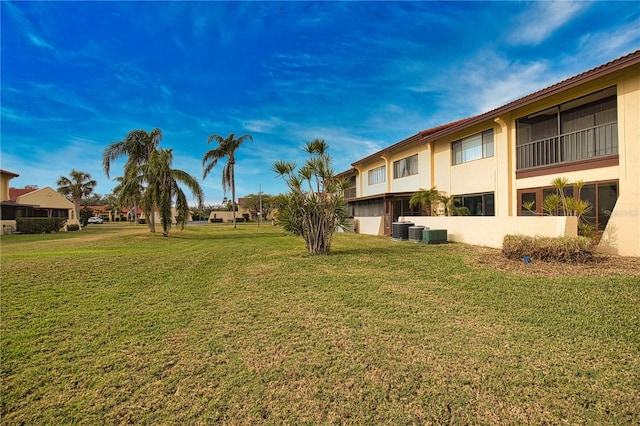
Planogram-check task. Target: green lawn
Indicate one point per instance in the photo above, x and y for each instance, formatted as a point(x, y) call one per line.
point(115, 325)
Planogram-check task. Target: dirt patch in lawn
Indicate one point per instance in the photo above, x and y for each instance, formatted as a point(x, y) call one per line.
point(602, 265)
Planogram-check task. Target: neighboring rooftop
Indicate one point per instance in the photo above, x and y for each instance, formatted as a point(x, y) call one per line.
point(14, 193)
point(6, 172)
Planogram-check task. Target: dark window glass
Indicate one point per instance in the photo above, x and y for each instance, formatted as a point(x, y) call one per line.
point(488, 209)
point(528, 197)
point(607, 197)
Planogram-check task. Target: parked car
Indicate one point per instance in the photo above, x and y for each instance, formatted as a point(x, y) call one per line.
point(95, 219)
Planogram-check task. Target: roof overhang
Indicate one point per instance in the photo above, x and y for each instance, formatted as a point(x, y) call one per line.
point(582, 78)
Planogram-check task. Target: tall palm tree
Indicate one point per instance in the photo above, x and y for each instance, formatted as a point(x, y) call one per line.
point(162, 187)
point(77, 186)
point(226, 149)
point(138, 147)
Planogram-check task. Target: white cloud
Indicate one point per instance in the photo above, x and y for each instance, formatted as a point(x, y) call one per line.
point(535, 25)
point(267, 125)
point(508, 81)
point(38, 41)
point(611, 44)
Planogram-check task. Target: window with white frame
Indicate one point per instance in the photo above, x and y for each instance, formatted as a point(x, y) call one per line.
point(378, 175)
point(405, 167)
point(473, 147)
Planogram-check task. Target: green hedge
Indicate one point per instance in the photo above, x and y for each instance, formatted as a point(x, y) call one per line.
point(560, 249)
point(39, 225)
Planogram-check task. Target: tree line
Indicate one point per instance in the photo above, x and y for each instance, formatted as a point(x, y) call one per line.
point(313, 208)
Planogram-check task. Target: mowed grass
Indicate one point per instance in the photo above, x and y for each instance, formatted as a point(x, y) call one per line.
point(216, 325)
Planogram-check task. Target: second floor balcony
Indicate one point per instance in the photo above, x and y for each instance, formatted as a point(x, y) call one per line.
point(585, 144)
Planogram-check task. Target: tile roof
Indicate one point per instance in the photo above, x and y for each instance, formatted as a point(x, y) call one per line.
point(625, 61)
point(14, 193)
point(445, 129)
point(401, 144)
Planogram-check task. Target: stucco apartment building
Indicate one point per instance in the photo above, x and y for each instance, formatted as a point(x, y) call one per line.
point(586, 127)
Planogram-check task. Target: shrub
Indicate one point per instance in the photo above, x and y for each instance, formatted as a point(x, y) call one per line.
point(141, 221)
point(560, 249)
point(216, 220)
point(39, 225)
point(73, 227)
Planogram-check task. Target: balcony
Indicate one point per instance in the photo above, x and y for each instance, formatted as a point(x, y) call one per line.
point(585, 144)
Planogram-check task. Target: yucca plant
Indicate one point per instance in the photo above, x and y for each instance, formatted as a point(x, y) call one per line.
point(314, 206)
point(558, 204)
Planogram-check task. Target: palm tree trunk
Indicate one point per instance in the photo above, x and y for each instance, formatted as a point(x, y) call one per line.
point(76, 207)
point(233, 197)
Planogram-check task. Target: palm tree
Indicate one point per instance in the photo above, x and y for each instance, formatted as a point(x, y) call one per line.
point(130, 199)
point(75, 187)
point(162, 187)
point(424, 198)
point(226, 149)
point(451, 207)
point(138, 147)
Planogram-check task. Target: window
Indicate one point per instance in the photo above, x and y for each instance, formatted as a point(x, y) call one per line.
point(602, 197)
point(405, 167)
point(350, 192)
point(401, 207)
point(578, 130)
point(478, 204)
point(378, 175)
point(473, 147)
point(367, 208)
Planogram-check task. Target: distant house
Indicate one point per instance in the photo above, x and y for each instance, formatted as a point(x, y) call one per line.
point(585, 128)
point(103, 212)
point(227, 215)
point(32, 202)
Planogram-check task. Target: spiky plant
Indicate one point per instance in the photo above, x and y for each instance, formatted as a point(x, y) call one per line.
point(315, 205)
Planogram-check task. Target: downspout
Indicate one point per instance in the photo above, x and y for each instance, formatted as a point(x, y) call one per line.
point(388, 170)
point(432, 164)
point(359, 179)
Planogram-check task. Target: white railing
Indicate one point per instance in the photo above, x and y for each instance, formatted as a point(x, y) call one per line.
point(587, 143)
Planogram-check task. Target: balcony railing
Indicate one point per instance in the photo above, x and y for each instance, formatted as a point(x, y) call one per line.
point(350, 193)
point(584, 144)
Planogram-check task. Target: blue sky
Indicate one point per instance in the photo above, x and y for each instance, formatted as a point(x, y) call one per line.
point(76, 76)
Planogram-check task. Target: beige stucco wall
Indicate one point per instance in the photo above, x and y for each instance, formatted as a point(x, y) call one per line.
point(490, 231)
point(369, 225)
point(8, 226)
point(413, 182)
point(48, 198)
point(4, 186)
point(379, 188)
point(622, 234)
point(470, 177)
point(473, 177)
